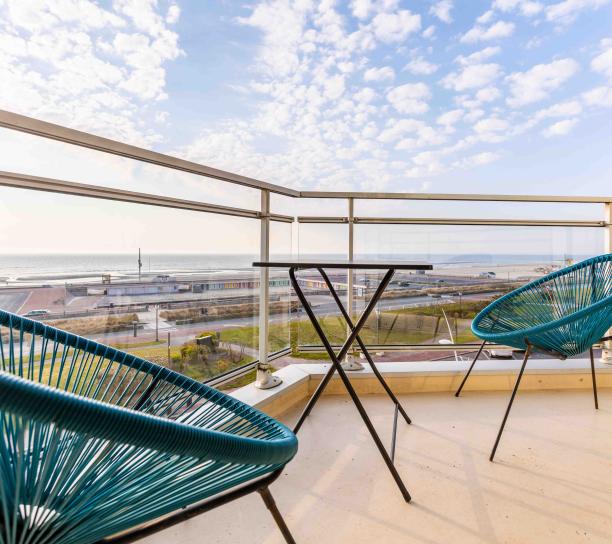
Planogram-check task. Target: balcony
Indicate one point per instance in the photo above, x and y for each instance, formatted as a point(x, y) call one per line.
point(550, 483)
point(227, 324)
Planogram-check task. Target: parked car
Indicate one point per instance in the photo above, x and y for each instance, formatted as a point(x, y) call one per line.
point(38, 313)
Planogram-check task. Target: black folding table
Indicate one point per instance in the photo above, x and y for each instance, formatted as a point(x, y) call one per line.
point(390, 266)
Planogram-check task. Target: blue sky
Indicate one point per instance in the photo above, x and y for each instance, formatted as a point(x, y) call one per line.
point(499, 96)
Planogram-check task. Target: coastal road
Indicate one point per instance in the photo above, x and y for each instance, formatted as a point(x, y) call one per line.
point(323, 305)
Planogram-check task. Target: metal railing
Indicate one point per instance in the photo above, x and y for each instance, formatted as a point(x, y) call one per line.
point(21, 123)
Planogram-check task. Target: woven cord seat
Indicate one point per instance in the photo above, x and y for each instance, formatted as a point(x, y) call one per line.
point(96, 441)
point(562, 314)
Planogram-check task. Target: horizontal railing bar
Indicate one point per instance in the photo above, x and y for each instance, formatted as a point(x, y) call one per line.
point(310, 348)
point(461, 197)
point(52, 131)
point(454, 221)
point(29, 125)
point(36, 183)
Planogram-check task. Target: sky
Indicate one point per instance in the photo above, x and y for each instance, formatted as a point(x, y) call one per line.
point(492, 96)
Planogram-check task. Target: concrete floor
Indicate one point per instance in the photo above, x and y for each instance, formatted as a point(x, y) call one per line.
point(551, 481)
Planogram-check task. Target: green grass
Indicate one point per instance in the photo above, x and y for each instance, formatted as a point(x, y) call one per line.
point(465, 310)
point(407, 326)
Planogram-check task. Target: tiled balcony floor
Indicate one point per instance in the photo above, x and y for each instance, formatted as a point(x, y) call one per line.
point(551, 482)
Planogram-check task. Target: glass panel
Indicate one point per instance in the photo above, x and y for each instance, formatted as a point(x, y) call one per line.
point(74, 263)
point(472, 266)
point(27, 154)
point(478, 210)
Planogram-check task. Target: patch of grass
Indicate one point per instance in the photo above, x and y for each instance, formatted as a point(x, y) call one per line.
point(86, 326)
point(466, 310)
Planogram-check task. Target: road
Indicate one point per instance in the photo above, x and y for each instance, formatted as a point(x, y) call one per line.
point(323, 305)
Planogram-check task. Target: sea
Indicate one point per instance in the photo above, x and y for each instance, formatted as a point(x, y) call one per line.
point(17, 268)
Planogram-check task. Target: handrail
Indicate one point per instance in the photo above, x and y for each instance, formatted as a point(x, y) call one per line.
point(453, 221)
point(60, 133)
point(29, 125)
point(36, 183)
point(466, 197)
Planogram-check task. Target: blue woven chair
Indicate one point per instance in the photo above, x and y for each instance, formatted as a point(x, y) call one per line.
point(562, 314)
point(96, 442)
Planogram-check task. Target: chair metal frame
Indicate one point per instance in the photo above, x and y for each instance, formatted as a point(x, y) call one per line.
point(98, 445)
point(529, 342)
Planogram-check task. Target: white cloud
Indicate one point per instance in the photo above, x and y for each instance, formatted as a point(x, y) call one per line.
point(174, 12)
point(472, 76)
point(442, 10)
point(565, 12)
point(478, 56)
point(419, 66)
point(91, 68)
point(491, 124)
point(478, 159)
point(486, 17)
point(410, 98)
point(562, 109)
point(560, 128)
point(528, 8)
point(395, 27)
point(488, 94)
point(599, 96)
point(450, 118)
point(410, 134)
point(383, 73)
point(282, 26)
point(500, 29)
point(429, 32)
point(361, 8)
point(365, 95)
point(492, 129)
point(602, 63)
point(538, 82)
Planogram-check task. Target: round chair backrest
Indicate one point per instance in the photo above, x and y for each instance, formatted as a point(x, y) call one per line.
point(566, 311)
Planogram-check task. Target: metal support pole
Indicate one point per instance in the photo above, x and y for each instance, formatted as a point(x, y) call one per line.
point(606, 352)
point(265, 379)
point(349, 362)
point(157, 322)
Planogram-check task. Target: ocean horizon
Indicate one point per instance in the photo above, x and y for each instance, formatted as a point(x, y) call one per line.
point(27, 266)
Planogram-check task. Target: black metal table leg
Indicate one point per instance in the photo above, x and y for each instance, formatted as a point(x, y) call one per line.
point(336, 366)
point(362, 346)
point(345, 347)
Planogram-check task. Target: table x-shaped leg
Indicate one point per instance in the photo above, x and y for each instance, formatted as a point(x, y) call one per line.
point(336, 365)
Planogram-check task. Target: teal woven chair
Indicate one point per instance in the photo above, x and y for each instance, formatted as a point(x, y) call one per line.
point(96, 442)
point(562, 314)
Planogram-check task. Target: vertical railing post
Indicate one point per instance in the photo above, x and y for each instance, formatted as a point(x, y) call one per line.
point(349, 362)
point(606, 352)
point(265, 379)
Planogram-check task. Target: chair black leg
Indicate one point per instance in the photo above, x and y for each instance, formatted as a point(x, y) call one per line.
point(470, 369)
point(593, 377)
point(278, 518)
point(516, 386)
